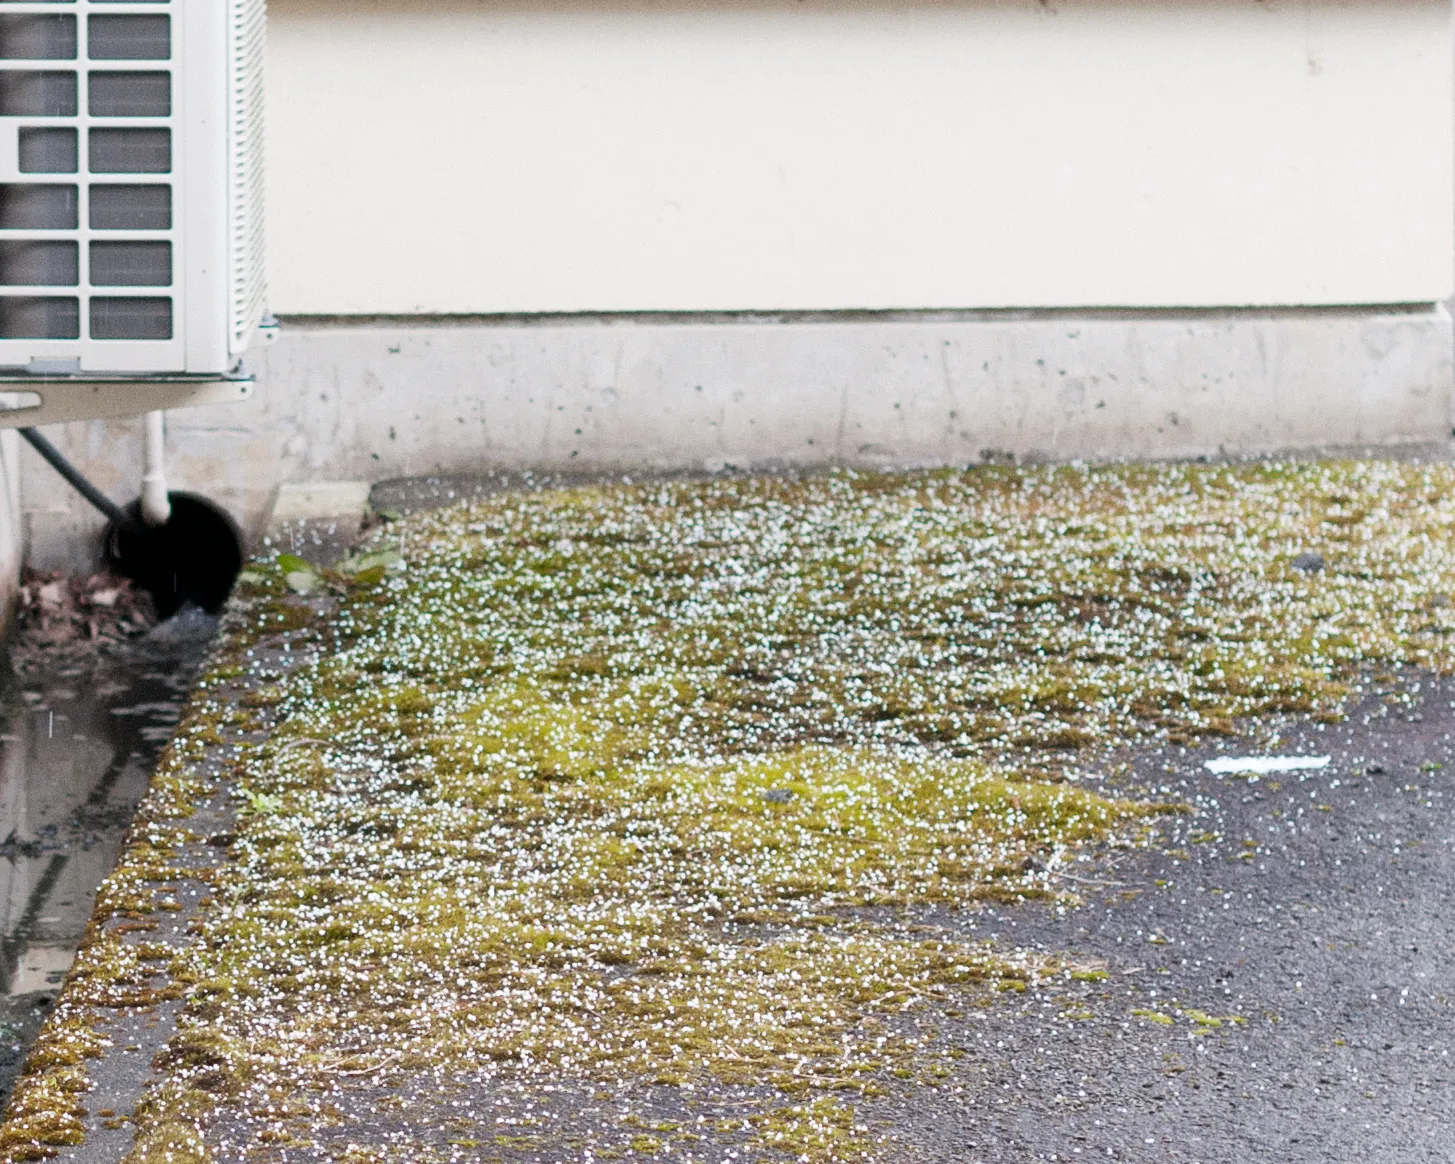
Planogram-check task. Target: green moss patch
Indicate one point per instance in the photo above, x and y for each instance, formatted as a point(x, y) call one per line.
point(644, 784)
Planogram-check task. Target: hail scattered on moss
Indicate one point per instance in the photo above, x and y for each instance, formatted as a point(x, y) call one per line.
point(599, 784)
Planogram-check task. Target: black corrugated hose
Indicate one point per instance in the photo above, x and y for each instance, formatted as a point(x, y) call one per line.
point(69, 471)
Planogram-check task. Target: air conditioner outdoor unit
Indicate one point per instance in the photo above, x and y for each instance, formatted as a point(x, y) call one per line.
point(131, 248)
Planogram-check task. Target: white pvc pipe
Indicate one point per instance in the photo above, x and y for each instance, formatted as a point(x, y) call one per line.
point(156, 508)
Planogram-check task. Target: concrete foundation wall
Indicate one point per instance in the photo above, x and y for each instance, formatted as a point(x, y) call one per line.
point(349, 400)
point(12, 543)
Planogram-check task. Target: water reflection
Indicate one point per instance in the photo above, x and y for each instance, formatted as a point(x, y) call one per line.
point(78, 745)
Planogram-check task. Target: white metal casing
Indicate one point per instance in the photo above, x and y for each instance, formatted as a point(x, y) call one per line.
point(130, 191)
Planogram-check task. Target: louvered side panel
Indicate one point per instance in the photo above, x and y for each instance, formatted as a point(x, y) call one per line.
point(247, 289)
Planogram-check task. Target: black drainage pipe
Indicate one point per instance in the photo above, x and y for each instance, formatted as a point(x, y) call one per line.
point(195, 556)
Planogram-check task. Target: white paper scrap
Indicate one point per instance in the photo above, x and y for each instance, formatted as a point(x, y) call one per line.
point(1263, 765)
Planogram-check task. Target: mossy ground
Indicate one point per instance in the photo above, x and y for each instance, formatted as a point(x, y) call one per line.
point(595, 783)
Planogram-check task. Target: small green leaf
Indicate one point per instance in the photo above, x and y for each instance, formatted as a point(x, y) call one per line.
point(260, 803)
point(378, 559)
point(293, 564)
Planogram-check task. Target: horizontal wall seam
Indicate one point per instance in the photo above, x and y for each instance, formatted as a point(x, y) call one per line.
point(757, 318)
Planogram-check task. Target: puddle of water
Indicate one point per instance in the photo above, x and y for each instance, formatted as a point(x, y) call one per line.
point(78, 743)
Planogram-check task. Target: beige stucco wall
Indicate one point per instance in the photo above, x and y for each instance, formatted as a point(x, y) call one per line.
point(484, 156)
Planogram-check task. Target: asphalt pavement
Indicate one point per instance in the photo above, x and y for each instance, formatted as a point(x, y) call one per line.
point(1311, 915)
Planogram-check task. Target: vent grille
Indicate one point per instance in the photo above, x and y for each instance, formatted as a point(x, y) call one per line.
point(246, 287)
point(88, 96)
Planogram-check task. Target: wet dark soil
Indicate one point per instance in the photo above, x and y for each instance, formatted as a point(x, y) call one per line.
point(81, 727)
